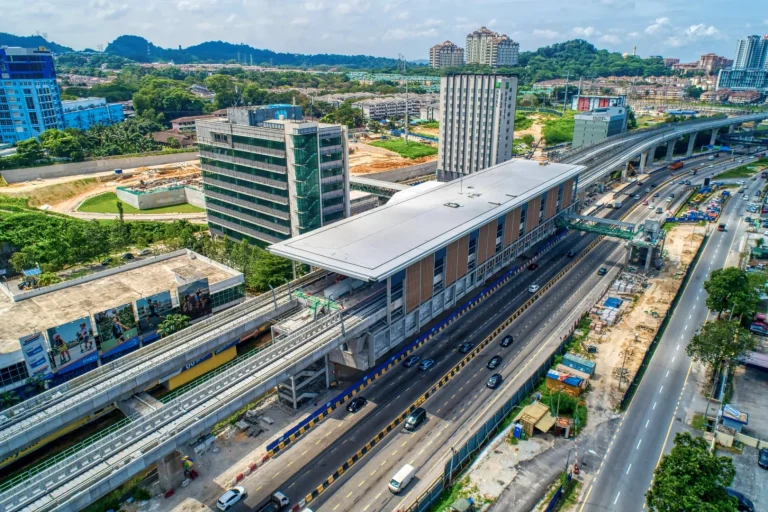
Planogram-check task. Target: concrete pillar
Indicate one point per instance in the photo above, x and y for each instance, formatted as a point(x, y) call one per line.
point(328, 370)
point(643, 160)
point(691, 144)
point(648, 259)
point(293, 393)
point(731, 128)
point(170, 471)
point(671, 150)
point(625, 173)
point(651, 156)
point(629, 254)
point(581, 196)
point(713, 138)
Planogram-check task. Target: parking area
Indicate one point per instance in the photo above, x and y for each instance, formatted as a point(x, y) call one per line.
point(750, 478)
point(750, 395)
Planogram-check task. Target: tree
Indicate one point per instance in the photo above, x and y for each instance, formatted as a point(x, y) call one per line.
point(694, 92)
point(172, 323)
point(631, 119)
point(174, 143)
point(374, 126)
point(720, 341)
point(8, 398)
point(759, 242)
point(728, 289)
point(267, 269)
point(692, 478)
point(224, 88)
point(30, 150)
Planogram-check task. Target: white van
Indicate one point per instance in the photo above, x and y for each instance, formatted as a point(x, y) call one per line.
point(401, 478)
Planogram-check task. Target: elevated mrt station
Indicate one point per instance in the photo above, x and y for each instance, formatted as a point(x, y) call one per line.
point(428, 248)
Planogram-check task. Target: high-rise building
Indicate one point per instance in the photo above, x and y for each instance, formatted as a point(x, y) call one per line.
point(743, 80)
point(596, 125)
point(269, 175)
point(477, 122)
point(751, 53)
point(446, 55)
point(491, 48)
point(30, 102)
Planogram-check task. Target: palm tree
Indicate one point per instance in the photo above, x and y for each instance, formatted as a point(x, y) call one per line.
point(8, 398)
point(172, 323)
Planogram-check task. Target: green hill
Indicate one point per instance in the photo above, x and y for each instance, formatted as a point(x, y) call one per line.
point(31, 42)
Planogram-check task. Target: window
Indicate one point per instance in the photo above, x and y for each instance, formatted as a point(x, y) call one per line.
point(523, 216)
point(30, 103)
point(437, 281)
point(471, 257)
point(14, 373)
point(33, 118)
point(500, 232)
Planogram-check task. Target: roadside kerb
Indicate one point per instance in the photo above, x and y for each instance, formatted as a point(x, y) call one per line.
point(446, 378)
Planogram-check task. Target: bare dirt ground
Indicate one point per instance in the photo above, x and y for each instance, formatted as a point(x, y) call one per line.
point(64, 195)
point(535, 129)
point(431, 132)
point(642, 315)
point(366, 159)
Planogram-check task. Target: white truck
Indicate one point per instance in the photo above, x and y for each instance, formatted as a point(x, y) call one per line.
point(278, 501)
point(402, 478)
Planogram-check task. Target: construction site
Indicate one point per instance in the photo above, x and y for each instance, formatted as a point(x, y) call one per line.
point(367, 159)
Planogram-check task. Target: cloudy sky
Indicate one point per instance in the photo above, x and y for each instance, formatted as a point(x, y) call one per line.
point(673, 28)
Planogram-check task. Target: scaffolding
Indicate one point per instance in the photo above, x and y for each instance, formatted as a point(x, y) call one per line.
point(605, 227)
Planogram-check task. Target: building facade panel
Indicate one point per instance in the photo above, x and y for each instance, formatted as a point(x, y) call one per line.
point(451, 263)
point(551, 207)
point(490, 250)
point(427, 277)
point(567, 194)
point(512, 227)
point(532, 218)
point(412, 287)
point(462, 255)
point(482, 245)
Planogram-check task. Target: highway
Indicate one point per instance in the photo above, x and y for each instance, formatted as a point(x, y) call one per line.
point(454, 407)
point(648, 426)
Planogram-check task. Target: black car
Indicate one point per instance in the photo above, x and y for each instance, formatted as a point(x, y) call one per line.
point(571, 254)
point(602, 271)
point(126, 256)
point(533, 266)
point(745, 504)
point(356, 404)
point(464, 348)
point(106, 262)
point(762, 459)
point(411, 361)
point(494, 381)
point(494, 362)
point(507, 341)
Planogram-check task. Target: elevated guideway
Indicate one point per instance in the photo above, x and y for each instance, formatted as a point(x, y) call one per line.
point(80, 479)
point(380, 188)
point(32, 420)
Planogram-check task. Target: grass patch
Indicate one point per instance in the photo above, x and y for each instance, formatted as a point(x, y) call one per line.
point(112, 500)
point(559, 129)
point(458, 490)
point(53, 194)
point(412, 150)
point(107, 203)
point(522, 121)
point(699, 422)
point(430, 124)
point(746, 170)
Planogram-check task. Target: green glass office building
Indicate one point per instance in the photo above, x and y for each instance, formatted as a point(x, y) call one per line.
point(268, 175)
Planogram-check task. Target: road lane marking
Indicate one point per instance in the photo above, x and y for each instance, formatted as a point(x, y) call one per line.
point(617, 498)
point(640, 441)
point(661, 389)
point(654, 405)
point(630, 467)
point(673, 359)
point(350, 494)
point(646, 423)
point(667, 375)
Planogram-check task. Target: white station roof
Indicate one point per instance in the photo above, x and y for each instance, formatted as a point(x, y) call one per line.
point(416, 222)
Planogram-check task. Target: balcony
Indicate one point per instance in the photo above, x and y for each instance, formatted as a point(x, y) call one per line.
point(246, 177)
point(333, 193)
point(280, 153)
point(327, 180)
point(247, 204)
point(245, 190)
point(330, 149)
point(249, 218)
point(244, 161)
point(333, 209)
point(330, 165)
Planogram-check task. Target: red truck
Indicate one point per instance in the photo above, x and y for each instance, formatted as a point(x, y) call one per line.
point(676, 165)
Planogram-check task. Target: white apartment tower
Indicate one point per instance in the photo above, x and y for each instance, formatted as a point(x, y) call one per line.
point(751, 53)
point(491, 48)
point(446, 55)
point(477, 123)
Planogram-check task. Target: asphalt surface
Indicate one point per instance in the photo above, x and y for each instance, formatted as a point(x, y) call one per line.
point(297, 474)
point(647, 429)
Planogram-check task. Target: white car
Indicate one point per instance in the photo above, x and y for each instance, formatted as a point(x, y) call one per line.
point(533, 288)
point(232, 496)
point(650, 207)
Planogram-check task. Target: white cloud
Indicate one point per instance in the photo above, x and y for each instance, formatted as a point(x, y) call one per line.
point(314, 5)
point(610, 39)
point(300, 22)
point(633, 34)
point(657, 26)
point(701, 30)
point(402, 15)
point(107, 10)
point(350, 7)
point(585, 31)
point(432, 22)
point(491, 23)
point(545, 33)
point(399, 34)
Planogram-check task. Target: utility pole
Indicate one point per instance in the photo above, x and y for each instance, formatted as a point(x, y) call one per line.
point(402, 58)
point(565, 99)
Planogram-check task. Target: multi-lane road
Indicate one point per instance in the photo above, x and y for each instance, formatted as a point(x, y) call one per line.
point(463, 402)
point(647, 429)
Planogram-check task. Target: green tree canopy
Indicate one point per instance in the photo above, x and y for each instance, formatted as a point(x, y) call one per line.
point(691, 478)
point(224, 88)
point(719, 341)
point(729, 289)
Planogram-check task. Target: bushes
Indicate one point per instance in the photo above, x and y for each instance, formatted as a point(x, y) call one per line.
point(559, 129)
point(410, 150)
point(522, 121)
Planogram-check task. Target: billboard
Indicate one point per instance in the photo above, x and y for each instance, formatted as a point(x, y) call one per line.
point(151, 311)
point(36, 355)
point(72, 345)
point(195, 299)
point(116, 326)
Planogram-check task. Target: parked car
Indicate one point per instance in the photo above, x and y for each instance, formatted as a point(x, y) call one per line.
point(426, 364)
point(464, 348)
point(650, 207)
point(533, 288)
point(507, 341)
point(411, 361)
point(762, 458)
point(126, 256)
point(745, 504)
point(602, 271)
point(106, 261)
point(356, 404)
point(494, 381)
point(145, 252)
point(494, 362)
point(533, 266)
point(230, 497)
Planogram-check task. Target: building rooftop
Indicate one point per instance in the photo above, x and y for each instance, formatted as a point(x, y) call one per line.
point(374, 245)
point(67, 304)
